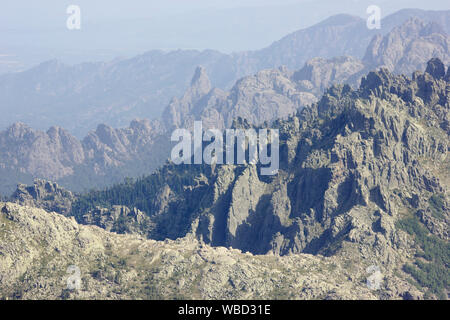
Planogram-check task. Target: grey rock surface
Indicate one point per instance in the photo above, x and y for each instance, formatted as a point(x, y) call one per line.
point(38, 247)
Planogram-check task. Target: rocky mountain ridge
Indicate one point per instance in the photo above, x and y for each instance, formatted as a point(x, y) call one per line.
point(40, 251)
point(116, 92)
point(108, 155)
point(104, 156)
point(377, 157)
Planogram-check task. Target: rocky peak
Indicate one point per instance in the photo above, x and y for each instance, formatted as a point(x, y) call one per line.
point(144, 129)
point(46, 195)
point(408, 47)
point(375, 81)
point(140, 124)
point(58, 133)
point(18, 130)
point(200, 84)
point(340, 19)
point(320, 73)
point(432, 27)
point(107, 135)
point(55, 131)
point(362, 151)
point(414, 25)
point(436, 68)
point(427, 86)
point(374, 156)
point(50, 66)
point(176, 111)
point(119, 219)
point(69, 148)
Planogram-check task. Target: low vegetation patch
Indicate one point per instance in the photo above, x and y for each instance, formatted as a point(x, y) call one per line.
point(430, 268)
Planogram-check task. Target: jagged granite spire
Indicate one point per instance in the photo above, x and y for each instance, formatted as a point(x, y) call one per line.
point(200, 84)
point(436, 68)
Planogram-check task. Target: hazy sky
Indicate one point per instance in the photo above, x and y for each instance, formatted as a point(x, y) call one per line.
point(28, 13)
point(35, 30)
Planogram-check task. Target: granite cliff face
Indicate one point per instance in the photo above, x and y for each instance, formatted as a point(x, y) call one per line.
point(108, 147)
point(363, 181)
point(408, 47)
point(353, 159)
point(45, 195)
point(403, 50)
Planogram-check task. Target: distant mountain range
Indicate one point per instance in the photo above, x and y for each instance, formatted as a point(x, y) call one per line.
point(81, 96)
point(108, 155)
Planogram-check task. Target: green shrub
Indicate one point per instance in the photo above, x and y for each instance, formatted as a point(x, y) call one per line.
point(437, 205)
point(433, 274)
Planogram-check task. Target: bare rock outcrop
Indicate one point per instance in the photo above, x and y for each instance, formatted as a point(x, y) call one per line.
point(40, 251)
